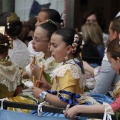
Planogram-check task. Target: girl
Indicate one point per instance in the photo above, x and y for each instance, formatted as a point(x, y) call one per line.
point(113, 55)
point(40, 42)
point(42, 17)
point(68, 75)
point(10, 75)
point(19, 53)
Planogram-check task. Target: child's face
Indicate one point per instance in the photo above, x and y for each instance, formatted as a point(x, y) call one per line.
point(40, 40)
point(58, 48)
point(115, 64)
point(41, 18)
point(112, 34)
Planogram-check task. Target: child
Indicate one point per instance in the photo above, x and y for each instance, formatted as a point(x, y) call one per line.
point(40, 44)
point(42, 17)
point(19, 53)
point(113, 55)
point(68, 75)
point(10, 75)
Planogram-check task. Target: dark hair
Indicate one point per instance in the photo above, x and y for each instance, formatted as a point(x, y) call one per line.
point(53, 15)
point(24, 33)
point(13, 27)
point(68, 37)
point(115, 24)
point(4, 40)
point(49, 27)
point(91, 54)
point(99, 17)
point(114, 48)
point(31, 22)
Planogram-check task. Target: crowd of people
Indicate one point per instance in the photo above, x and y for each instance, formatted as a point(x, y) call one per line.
point(65, 67)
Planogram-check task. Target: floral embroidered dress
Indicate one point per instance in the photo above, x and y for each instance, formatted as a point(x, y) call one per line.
point(49, 65)
point(10, 78)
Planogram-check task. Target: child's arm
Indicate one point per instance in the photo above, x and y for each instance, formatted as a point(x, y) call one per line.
point(75, 110)
point(52, 99)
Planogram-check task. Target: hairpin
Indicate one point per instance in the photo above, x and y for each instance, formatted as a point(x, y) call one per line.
point(5, 44)
point(51, 21)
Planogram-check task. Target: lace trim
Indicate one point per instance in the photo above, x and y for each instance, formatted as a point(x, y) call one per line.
point(48, 67)
point(10, 76)
point(74, 69)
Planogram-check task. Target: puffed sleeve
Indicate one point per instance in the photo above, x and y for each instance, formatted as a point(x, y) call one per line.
point(116, 104)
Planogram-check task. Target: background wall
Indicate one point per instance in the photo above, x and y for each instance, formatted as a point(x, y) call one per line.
point(22, 7)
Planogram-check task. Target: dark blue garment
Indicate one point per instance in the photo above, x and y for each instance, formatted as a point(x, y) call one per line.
point(101, 50)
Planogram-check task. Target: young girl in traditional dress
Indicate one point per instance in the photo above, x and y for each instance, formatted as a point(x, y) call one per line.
point(113, 54)
point(10, 76)
point(18, 53)
point(40, 42)
point(68, 76)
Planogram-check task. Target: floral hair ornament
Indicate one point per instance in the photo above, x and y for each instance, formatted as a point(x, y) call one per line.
point(10, 42)
point(75, 43)
point(51, 21)
point(13, 17)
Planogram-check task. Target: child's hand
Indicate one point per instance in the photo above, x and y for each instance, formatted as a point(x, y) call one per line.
point(71, 113)
point(35, 70)
point(36, 91)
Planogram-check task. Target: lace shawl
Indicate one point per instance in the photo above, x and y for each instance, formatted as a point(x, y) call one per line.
point(10, 75)
point(74, 69)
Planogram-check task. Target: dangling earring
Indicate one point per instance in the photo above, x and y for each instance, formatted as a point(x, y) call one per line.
point(66, 58)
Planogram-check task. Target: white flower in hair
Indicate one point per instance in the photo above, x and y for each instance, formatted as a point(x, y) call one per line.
point(75, 43)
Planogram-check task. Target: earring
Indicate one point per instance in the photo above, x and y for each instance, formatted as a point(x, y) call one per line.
point(66, 57)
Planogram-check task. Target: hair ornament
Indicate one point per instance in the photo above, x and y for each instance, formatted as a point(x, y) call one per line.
point(5, 44)
point(51, 21)
point(75, 43)
point(13, 17)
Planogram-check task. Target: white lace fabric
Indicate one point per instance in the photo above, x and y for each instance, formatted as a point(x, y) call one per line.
point(40, 60)
point(10, 75)
point(74, 69)
point(19, 53)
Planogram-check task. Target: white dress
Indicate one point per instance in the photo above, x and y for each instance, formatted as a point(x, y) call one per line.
point(19, 54)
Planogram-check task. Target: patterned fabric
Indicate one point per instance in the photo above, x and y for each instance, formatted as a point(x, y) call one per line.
point(68, 74)
point(10, 77)
point(49, 65)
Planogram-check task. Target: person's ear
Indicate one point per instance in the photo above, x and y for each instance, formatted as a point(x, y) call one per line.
point(69, 49)
point(115, 34)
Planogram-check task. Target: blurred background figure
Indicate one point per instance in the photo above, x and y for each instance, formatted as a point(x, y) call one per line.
point(95, 16)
